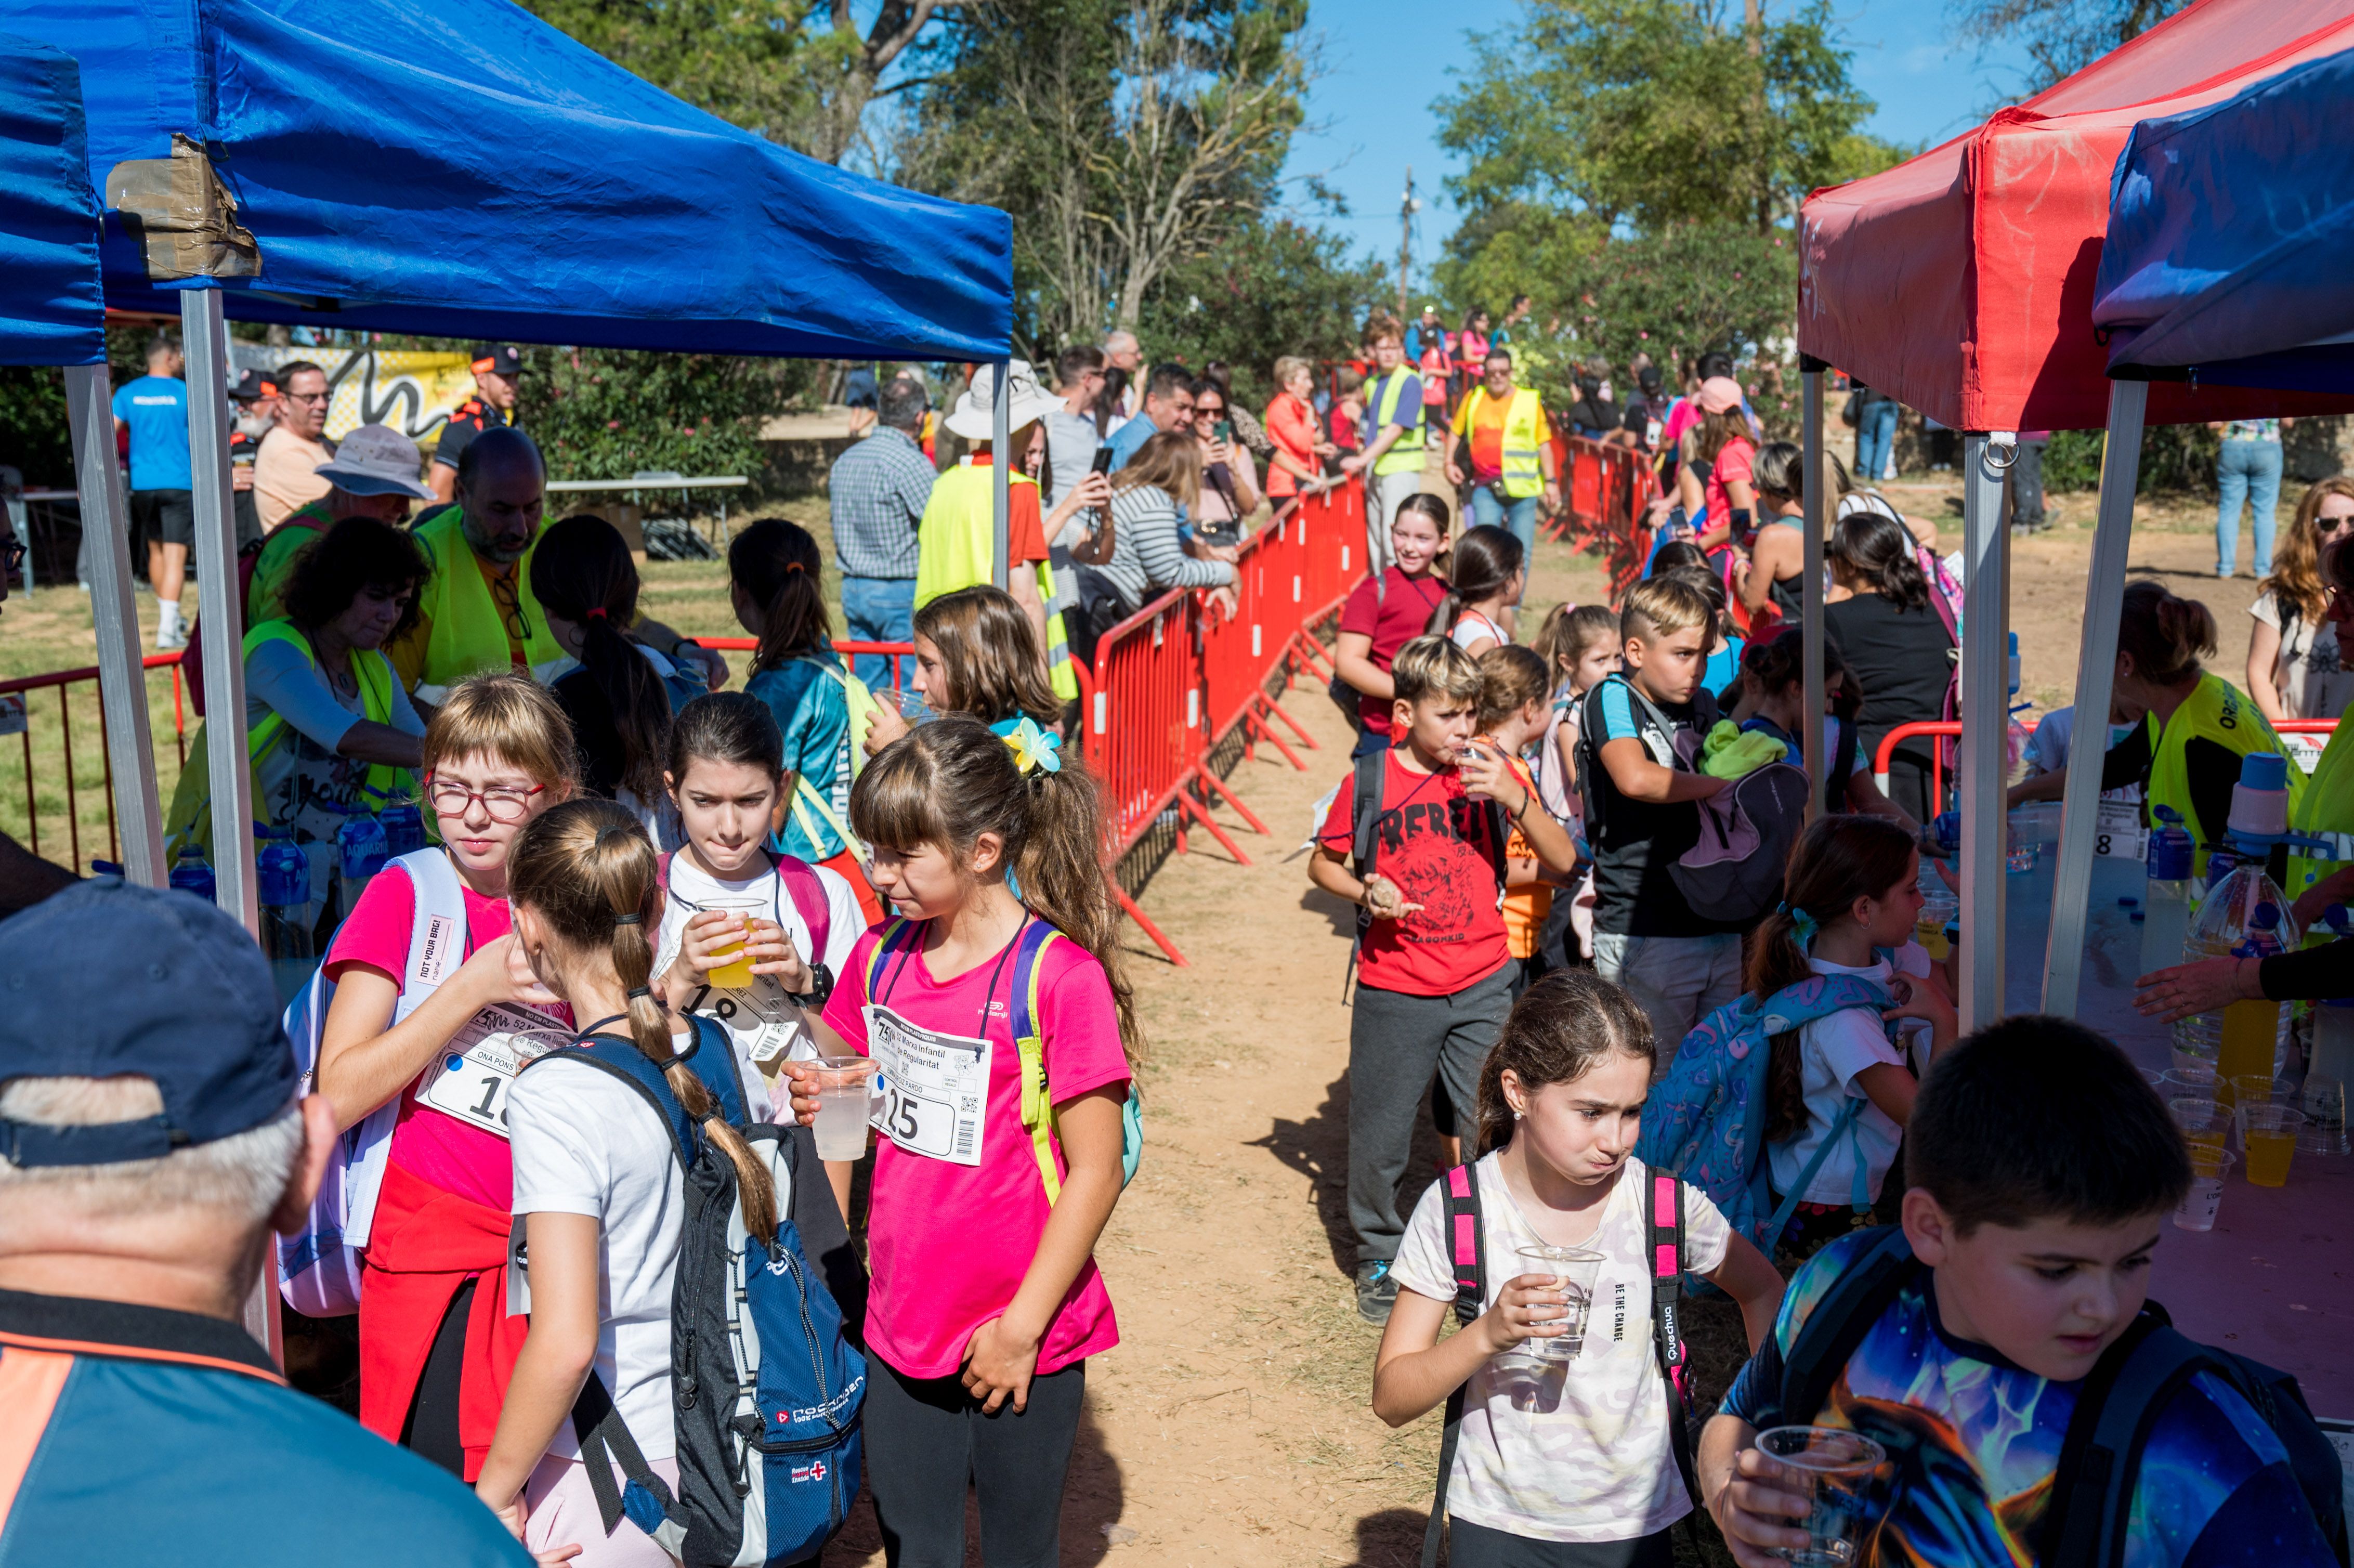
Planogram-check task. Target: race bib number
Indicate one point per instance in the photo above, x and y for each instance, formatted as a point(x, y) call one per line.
point(759, 1016)
point(933, 1088)
point(474, 1072)
point(2117, 831)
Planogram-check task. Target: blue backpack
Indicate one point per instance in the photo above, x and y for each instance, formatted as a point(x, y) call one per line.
point(766, 1392)
point(1705, 1120)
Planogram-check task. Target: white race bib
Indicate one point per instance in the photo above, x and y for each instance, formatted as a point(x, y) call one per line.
point(760, 1015)
point(475, 1071)
point(2117, 831)
point(933, 1089)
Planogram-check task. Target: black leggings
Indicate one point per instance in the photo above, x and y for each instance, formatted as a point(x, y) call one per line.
point(431, 1430)
point(1476, 1546)
point(927, 1438)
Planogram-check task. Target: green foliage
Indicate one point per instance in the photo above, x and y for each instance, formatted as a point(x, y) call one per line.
point(606, 414)
point(2061, 36)
point(33, 439)
point(1272, 288)
point(2173, 458)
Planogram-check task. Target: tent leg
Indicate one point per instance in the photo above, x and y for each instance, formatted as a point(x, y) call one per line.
point(1986, 691)
point(1001, 404)
point(122, 681)
point(2063, 960)
point(1810, 639)
point(205, 337)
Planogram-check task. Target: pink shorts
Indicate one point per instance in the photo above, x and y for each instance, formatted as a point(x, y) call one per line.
point(560, 1509)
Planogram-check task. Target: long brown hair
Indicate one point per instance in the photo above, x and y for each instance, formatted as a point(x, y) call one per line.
point(776, 562)
point(1482, 564)
point(2295, 582)
point(582, 572)
point(587, 870)
point(1561, 1027)
point(990, 654)
point(1718, 432)
point(1169, 461)
point(951, 781)
point(2165, 635)
point(1839, 859)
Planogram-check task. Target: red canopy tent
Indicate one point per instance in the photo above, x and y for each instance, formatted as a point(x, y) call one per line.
point(1961, 282)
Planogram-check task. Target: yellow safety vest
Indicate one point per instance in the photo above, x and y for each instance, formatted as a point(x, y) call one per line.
point(1523, 418)
point(465, 630)
point(956, 545)
point(2214, 711)
point(2324, 809)
point(1406, 453)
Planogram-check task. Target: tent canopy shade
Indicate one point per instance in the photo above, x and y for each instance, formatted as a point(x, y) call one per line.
point(2226, 252)
point(1962, 281)
point(51, 309)
point(465, 170)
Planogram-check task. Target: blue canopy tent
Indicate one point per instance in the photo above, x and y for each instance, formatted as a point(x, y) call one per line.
point(464, 170)
point(2227, 228)
point(53, 311)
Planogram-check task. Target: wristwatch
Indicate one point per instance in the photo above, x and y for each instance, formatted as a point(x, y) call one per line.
point(820, 988)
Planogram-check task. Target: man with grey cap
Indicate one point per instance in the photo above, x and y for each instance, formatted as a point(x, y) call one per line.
point(374, 473)
point(150, 1139)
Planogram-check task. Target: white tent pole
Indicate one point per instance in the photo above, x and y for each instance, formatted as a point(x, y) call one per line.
point(1811, 639)
point(122, 677)
point(204, 332)
point(1986, 689)
point(1001, 481)
point(2105, 589)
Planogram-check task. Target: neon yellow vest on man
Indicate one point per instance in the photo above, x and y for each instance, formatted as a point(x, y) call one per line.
point(956, 545)
point(1523, 418)
point(2325, 808)
point(1383, 396)
point(466, 631)
point(2214, 711)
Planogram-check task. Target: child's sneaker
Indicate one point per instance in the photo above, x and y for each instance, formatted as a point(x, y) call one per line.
point(1376, 1292)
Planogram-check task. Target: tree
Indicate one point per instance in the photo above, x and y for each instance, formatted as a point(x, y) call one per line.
point(608, 413)
point(2061, 36)
point(1273, 288)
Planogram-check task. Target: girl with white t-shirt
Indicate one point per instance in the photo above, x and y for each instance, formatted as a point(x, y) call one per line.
point(1486, 576)
point(1562, 1461)
point(1849, 907)
point(598, 1185)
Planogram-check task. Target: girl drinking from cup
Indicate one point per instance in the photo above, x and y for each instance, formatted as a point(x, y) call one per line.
point(425, 950)
point(986, 1301)
point(1565, 1453)
point(976, 656)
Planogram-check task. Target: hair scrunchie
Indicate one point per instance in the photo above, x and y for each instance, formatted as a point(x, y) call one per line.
point(595, 612)
point(636, 991)
point(1802, 925)
point(629, 919)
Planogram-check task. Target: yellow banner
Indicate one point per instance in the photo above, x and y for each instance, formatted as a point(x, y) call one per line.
point(413, 391)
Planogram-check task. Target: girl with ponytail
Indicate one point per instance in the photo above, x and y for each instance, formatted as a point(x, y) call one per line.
point(983, 1226)
point(773, 568)
point(1893, 632)
point(598, 1183)
point(1486, 578)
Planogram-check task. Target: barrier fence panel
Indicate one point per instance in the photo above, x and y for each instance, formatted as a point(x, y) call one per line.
point(1605, 490)
point(46, 732)
point(1951, 728)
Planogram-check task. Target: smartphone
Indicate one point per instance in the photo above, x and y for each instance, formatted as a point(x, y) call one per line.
point(1103, 460)
point(1224, 430)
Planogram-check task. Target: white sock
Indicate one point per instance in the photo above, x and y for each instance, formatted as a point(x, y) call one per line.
point(167, 619)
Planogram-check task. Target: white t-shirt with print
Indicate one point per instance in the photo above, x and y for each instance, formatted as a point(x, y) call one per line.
point(1589, 1459)
point(1832, 1051)
point(766, 1029)
point(2306, 671)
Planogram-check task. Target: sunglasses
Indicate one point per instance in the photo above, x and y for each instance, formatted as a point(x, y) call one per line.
point(2332, 524)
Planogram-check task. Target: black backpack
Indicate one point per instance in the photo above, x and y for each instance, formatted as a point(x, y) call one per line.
point(2100, 1458)
point(1368, 782)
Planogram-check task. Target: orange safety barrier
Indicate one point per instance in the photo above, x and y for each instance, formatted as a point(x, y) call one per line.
point(1606, 490)
point(1952, 728)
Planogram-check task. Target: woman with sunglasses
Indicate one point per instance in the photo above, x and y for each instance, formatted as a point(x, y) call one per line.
point(1230, 490)
point(2297, 663)
point(415, 966)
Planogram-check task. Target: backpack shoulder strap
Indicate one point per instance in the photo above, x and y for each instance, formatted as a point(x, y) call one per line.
point(895, 932)
point(802, 884)
point(437, 933)
point(1840, 1321)
point(1030, 1044)
point(711, 1056)
point(1663, 1219)
point(1368, 782)
point(1467, 1244)
point(627, 1062)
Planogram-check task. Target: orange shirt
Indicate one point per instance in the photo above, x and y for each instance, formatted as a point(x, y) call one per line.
point(1525, 909)
point(1026, 526)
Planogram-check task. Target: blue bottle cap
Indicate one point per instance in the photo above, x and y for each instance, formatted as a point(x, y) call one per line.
point(2265, 917)
point(2168, 815)
point(2263, 770)
point(2128, 903)
point(109, 868)
point(2336, 919)
point(2138, 916)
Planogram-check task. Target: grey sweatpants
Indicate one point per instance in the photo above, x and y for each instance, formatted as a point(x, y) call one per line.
point(1396, 1043)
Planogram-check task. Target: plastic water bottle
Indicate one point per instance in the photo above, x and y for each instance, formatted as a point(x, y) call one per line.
point(192, 873)
point(2241, 917)
point(282, 880)
point(404, 830)
point(360, 855)
point(2166, 896)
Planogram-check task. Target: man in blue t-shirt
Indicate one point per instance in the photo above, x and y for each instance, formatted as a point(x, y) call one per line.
point(154, 408)
point(1168, 406)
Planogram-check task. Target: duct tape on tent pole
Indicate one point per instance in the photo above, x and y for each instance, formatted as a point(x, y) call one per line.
point(183, 215)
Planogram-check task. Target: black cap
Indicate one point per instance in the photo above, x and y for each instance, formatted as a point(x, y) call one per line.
point(499, 358)
point(252, 387)
point(186, 999)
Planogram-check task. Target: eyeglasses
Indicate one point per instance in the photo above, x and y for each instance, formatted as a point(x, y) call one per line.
point(450, 799)
point(508, 598)
point(306, 396)
point(1215, 411)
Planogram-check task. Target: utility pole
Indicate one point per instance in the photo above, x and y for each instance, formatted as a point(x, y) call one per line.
point(1406, 208)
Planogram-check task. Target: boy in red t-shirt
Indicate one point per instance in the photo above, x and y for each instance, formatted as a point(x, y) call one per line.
point(1435, 976)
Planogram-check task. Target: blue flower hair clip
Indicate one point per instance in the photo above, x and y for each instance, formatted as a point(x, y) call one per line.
point(1802, 925)
point(1035, 749)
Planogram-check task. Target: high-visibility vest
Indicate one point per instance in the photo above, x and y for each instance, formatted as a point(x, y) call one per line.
point(466, 631)
point(1523, 420)
point(1406, 453)
point(2214, 711)
point(956, 545)
point(2325, 808)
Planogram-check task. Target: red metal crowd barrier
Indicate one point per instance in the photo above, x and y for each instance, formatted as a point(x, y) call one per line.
point(1952, 728)
point(62, 682)
point(1606, 490)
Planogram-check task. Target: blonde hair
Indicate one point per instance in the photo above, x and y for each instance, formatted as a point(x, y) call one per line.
point(990, 655)
point(243, 1175)
point(509, 716)
point(1569, 630)
point(586, 868)
point(1434, 667)
point(1290, 366)
point(2296, 581)
point(1659, 606)
point(1171, 460)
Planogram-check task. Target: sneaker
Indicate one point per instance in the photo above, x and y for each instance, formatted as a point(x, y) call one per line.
point(1376, 1292)
point(171, 641)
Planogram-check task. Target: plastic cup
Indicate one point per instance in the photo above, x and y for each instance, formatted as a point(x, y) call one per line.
point(2193, 1080)
point(1574, 1269)
point(1929, 926)
point(844, 1095)
point(2204, 1124)
point(2323, 1101)
point(2209, 1166)
point(735, 972)
point(912, 704)
point(2270, 1133)
point(2260, 1089)
point(1833, 1469)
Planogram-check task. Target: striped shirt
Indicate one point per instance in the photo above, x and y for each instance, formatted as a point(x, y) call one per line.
point(878, 489)
point(1146, 555)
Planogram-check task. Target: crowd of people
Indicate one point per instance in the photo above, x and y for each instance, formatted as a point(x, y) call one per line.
point(734, 902)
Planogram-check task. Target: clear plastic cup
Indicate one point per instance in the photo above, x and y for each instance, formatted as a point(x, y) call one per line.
point(2204, 1123)
point(1574, 1270)
point(844, 1096)
point(2269, 1133)
point(1929, 926)
point(731, 968)
point(2260, 1089)
point(2191, 1080)
point(2209, 1166)
point(2323, 1100)
point(1835, 1471)
point(912, 704)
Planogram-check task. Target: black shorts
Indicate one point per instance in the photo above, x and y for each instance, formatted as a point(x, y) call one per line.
point(163, 517)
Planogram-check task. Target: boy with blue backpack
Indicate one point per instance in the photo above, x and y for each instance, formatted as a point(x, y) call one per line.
point(2034, 1406)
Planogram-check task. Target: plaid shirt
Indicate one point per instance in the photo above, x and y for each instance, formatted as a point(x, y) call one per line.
point(878, 488)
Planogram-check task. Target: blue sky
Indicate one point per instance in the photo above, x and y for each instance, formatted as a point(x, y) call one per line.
point(1374, 116)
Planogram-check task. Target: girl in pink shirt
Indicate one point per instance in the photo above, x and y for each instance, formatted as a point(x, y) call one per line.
point(986, 1301)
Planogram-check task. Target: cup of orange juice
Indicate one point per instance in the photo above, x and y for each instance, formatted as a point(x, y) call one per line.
point(2204, 1123)
point(2270, 1133)
point(731, 968)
